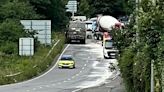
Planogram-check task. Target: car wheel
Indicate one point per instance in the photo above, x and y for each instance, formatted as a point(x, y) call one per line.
point(83, 41)
point(73, 66)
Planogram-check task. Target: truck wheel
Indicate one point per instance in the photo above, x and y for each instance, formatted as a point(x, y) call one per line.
point(105, 57)
point(97, 37)
point(84, 41)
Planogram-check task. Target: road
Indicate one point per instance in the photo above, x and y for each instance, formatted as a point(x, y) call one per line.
point(91, 70)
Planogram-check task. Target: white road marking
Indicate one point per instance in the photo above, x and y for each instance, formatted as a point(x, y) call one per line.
point(85, 65)
point(34, 89)
point(28, 90)
point(64, 81)
point(47, 86)
point(83, 68)
point(73, 77)
point(42, 74)
point(69, 79)
point(77, 90)
point(53, 84)
point(40, 87)
point(77, 74)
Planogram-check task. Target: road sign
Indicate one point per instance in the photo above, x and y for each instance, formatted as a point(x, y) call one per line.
point(72, 6)
point(41, 27)
point(26, 46)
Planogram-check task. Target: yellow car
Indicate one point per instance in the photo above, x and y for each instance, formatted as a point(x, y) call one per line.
point(66, 61)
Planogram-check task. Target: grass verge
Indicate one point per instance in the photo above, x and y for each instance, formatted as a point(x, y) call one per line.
point(15, 68)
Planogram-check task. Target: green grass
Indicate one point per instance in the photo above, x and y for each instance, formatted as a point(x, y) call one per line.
point(25, 68)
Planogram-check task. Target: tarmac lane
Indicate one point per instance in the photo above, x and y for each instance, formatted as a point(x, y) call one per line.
point(91, 70)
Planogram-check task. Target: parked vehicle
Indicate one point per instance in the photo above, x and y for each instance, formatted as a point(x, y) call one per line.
point(76, 31)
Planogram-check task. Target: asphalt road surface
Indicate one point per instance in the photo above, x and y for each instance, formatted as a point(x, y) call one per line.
point(91, 70)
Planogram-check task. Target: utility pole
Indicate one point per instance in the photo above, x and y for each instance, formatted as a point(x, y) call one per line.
point(152, 76)
point(152, 63)
point(137, 15)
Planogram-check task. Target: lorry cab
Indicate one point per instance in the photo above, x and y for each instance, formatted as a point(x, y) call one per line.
point(109, 51)
point(76, 31)
point(88, 25)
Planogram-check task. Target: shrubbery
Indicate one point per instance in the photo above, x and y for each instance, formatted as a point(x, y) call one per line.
point(140, 46)
point(26, 67)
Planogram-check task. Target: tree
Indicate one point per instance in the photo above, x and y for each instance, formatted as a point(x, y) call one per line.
point(17, 10)
point(114, 8)
point(10, 32)
point(149, 47)
point(84, 8)
point(52, 9)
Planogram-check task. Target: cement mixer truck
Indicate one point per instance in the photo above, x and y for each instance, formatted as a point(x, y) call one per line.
point(104, 26)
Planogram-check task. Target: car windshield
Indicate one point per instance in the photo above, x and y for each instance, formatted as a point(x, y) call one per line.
point(108, 44)
point(66, 58)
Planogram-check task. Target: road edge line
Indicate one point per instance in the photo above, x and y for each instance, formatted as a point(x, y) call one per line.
point(27, 81)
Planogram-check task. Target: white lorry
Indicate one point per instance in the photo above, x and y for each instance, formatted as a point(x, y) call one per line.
point(109, 50)
point(88, 25)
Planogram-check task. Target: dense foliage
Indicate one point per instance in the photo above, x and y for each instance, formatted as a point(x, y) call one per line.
point(12, 11)
point(114, 8)
point(14, 68)
point(140, 45)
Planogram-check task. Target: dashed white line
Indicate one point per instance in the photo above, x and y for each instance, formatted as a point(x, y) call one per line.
point(47, 86)
point(83, 68)
point(77, 74)
point(69, 79)
point(34, 89)
point(73, 77)
point(53, 84)
point(43, 73)
point(64, 81)
point(85, 65)
point(76, 90)
point(40, 87)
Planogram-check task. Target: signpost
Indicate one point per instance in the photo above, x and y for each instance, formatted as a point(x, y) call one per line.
point(26, 46)
point(72, 7)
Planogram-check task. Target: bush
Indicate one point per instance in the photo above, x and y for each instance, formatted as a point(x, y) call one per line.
point(29, 67)
point(9, 48)
point(126, 66)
